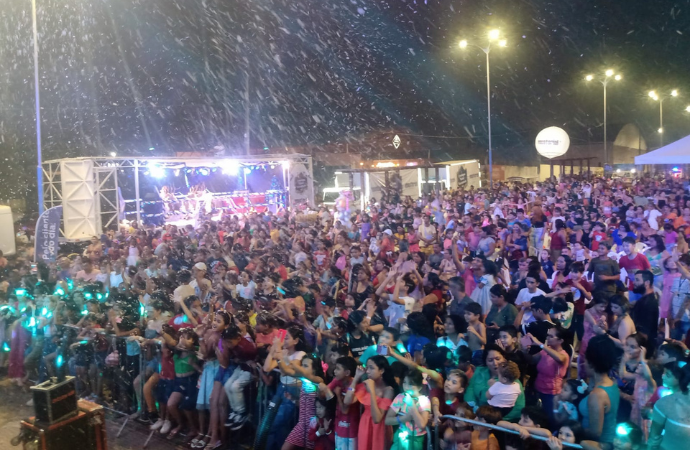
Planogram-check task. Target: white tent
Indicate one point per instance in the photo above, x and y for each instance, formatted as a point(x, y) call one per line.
point(675, 153)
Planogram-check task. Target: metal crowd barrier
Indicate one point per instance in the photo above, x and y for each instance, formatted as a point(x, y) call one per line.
point(505, 430)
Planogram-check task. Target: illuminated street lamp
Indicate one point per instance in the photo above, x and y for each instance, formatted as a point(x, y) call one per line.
point(39, 169)
point(660, 98)
point(493, 37)
point(608, 76)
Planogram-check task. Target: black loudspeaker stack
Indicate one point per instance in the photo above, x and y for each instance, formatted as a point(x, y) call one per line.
point(62, 422)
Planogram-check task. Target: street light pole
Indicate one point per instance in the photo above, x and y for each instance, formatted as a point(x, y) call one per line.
point(660, 99)
point(493, 36)
point(488, 109)
point(608, 75)
point(606, 152)
point(661, 122)
point(39, 158)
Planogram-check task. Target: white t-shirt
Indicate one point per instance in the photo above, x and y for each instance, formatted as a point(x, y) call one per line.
point(651, 217)
point(247, 292)
point(393, 313)
point(504, 395)
point(116, 280)
point(524, 296)
point(292, 380)
point(300, 257)
point(181, 292)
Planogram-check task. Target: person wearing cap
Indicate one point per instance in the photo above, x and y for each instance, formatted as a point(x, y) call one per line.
point(201, 285)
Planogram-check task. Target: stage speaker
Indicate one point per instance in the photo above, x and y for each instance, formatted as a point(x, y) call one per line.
point(70, 434)
point(55, 400)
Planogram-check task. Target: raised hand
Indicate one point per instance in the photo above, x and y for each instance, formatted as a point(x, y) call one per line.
point(370, 385)
point(359, 373)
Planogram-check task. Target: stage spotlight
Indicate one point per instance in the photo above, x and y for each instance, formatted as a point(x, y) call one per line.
point(203, 171)
point(157, 171)
point(229, 167)
point(273, 166)
point(247, 170)
point(177, 172)
point(286, 164)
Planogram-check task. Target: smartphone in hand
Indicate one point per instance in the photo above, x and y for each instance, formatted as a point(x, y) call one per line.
point(382, 350)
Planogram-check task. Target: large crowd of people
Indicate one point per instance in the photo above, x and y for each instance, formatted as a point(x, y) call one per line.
point(557, 310)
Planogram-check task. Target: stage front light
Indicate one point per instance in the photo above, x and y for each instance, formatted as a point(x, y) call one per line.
point(157, 171)
point(203, 171)
point(229, 167)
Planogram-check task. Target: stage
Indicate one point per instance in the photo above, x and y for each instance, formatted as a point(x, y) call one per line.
point(97, 194)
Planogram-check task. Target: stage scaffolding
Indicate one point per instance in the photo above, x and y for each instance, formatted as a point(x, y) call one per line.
point(87, 188)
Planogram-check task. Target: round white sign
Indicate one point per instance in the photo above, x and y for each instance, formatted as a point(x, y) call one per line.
point(552, 142)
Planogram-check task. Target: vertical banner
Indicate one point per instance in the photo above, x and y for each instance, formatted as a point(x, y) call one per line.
point(410, 183)
point(301, 186)
point(465, 175)
point(47, 235)
point(377, 183)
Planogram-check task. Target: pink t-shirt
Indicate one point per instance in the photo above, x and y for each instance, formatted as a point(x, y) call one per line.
point(550, 373)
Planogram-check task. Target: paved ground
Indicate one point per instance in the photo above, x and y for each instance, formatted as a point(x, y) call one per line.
point(13, 408)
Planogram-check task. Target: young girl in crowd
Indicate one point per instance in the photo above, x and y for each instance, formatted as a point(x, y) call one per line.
point(187, 372)
point(375, 395)
point(311, 374)
point(566, 403)
point(321, 425)
point(634, 370)
point(288, 351)
point(410, 412)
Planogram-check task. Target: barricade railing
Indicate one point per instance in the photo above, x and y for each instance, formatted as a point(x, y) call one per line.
point(113, 340)
point(505, 430)
point(258, 398)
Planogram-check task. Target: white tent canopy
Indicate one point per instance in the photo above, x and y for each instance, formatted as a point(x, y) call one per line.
point(675, 153)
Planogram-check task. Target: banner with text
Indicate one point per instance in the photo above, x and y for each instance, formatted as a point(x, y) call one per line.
point(47, 235)
point(301, 186)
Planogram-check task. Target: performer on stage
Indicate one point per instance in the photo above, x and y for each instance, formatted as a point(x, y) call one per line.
point(342, 209)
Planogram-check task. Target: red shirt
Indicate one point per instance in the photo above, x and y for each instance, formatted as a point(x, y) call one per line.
point(597, 237)
point(167, 364)
point(323, 442)
point(639, 262)
point(346, 425)
point(580, 305)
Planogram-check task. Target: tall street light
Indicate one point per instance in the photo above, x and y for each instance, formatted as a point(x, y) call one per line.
point(39, 169)
point(604, 80)
point(494, 37)
point(660, 98)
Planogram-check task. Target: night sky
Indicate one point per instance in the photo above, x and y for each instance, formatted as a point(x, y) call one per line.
point(128, 76)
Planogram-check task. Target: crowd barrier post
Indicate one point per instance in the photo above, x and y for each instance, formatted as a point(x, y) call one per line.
point(436, 442)
point(142, 378)
point(506, 430)
point(158, 358)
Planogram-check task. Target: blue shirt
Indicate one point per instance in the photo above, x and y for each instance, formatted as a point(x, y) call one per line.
point(416, 344)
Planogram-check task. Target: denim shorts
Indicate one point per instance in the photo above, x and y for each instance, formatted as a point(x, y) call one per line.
point(187, 387)
point(224, 374)
point(164, 390)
